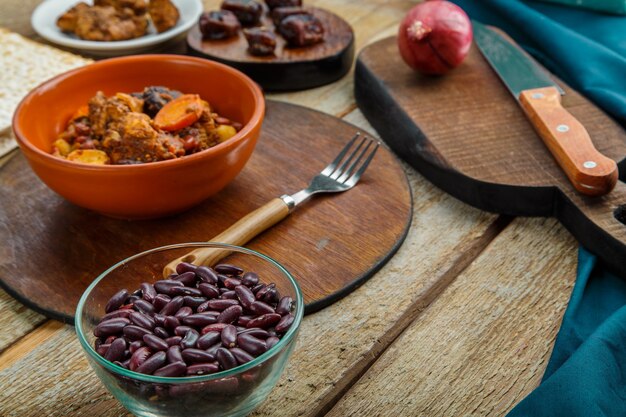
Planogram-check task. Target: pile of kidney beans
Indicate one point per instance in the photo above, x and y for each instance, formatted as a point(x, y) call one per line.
point(196, 322)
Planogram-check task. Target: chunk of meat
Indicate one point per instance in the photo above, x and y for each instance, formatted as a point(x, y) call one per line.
point(108, 24)
point(106, 112)
point(139, 7)
point(134, 139)
point(164, 14)
point(67, 21)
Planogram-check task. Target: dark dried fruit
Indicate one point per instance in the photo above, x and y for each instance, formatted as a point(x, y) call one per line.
point(219, 24)
point(279, 13)
point(301, 30)
point(248, 12)
point(260, 41)
point(272, 4)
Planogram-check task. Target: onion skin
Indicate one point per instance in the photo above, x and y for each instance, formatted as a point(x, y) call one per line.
point(435, 37)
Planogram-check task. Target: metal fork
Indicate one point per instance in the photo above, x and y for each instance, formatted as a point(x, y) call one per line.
point(340, 175)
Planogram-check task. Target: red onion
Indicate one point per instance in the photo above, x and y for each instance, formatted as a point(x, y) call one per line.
point(435, 36)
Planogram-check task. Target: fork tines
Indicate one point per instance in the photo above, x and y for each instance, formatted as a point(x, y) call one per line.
point(349, 172)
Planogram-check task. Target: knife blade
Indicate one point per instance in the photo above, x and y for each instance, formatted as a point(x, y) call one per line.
point(588, 170)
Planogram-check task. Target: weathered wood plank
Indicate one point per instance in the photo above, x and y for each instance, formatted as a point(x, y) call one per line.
point(484, 344)
point(337, 344)
point(18, 320)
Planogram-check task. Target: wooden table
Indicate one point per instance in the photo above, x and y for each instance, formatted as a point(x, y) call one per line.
point(460, 322)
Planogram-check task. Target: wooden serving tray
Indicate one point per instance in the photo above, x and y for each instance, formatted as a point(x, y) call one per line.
point(467, 134)
point(289, 68)
point(53, 249)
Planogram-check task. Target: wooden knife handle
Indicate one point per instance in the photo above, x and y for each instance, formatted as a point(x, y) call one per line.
point(238, 234)
point(589, 171)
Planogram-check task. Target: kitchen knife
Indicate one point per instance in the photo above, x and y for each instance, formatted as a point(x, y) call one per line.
point(539, 96)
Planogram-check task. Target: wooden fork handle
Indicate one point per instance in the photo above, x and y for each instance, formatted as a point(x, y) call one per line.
point(238, 234)
point(588, 170)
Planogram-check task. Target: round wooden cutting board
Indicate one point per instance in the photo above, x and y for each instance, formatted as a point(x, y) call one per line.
point(289, 68)
point(51, 249)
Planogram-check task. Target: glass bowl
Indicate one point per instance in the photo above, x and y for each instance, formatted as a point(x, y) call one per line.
point(235, 392)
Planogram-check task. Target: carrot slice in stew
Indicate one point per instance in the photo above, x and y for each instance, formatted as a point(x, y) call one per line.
point(82, 111)
point(179, 113)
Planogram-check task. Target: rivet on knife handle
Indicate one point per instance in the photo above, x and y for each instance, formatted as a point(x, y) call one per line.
point(589, 171)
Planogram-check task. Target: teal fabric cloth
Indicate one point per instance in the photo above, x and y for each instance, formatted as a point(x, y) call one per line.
point(586, 374)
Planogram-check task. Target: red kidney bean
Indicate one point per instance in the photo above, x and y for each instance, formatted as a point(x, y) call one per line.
point(116, 314)
point(123, 364)
point(171, 370)
point(207, 340)
point(203, 307)
point(200, 319)
point(116, 301)
point(216, 327)
point(209, 290)
point(153, 363)
point(245, 295)
point(164, 286)
point(132, 299)
point(228, 269)
point(193, 302)
point(148, 292)
point(284, 305)
point(103, 348)
point(190, 339)
point(213, 349)
point(161, 332)
point(183, 312)
point(159, 320)
point(126, 307)
point(185, 291)
point(271, 342)
point(251, 344)
point(220, 281)
point(110, 339)
point(230, 295)
point(155, 342)
point(261, 293)
point(203, 368)
point(161, 301)
point(271, 296)
point(225, 358)
point(207, 274)
point(181, 330)
point(174, 354)
point(222, 304)
point(144, 307)
point(264, 321)
point(284, 323)
point(135, 332)
point(231, 314)
point(259, 307)
point(135, 345)
point(256, 332)
point(241, 355)
point(231, 283)
point(229, 336)
point(173, 306)
point(142, 320)
point(196, 355)
point(174, 340)
point(243, 320)
point(250, 279)
point(184, 267)
point(112, 326)
point(187, 278)
point(139, 357)
point(171, 322)
point(258, 287)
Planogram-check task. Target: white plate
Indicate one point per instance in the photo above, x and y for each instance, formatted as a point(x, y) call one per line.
point(45, 16)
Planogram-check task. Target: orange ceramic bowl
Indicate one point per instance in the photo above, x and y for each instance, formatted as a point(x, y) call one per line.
point(146, 190)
